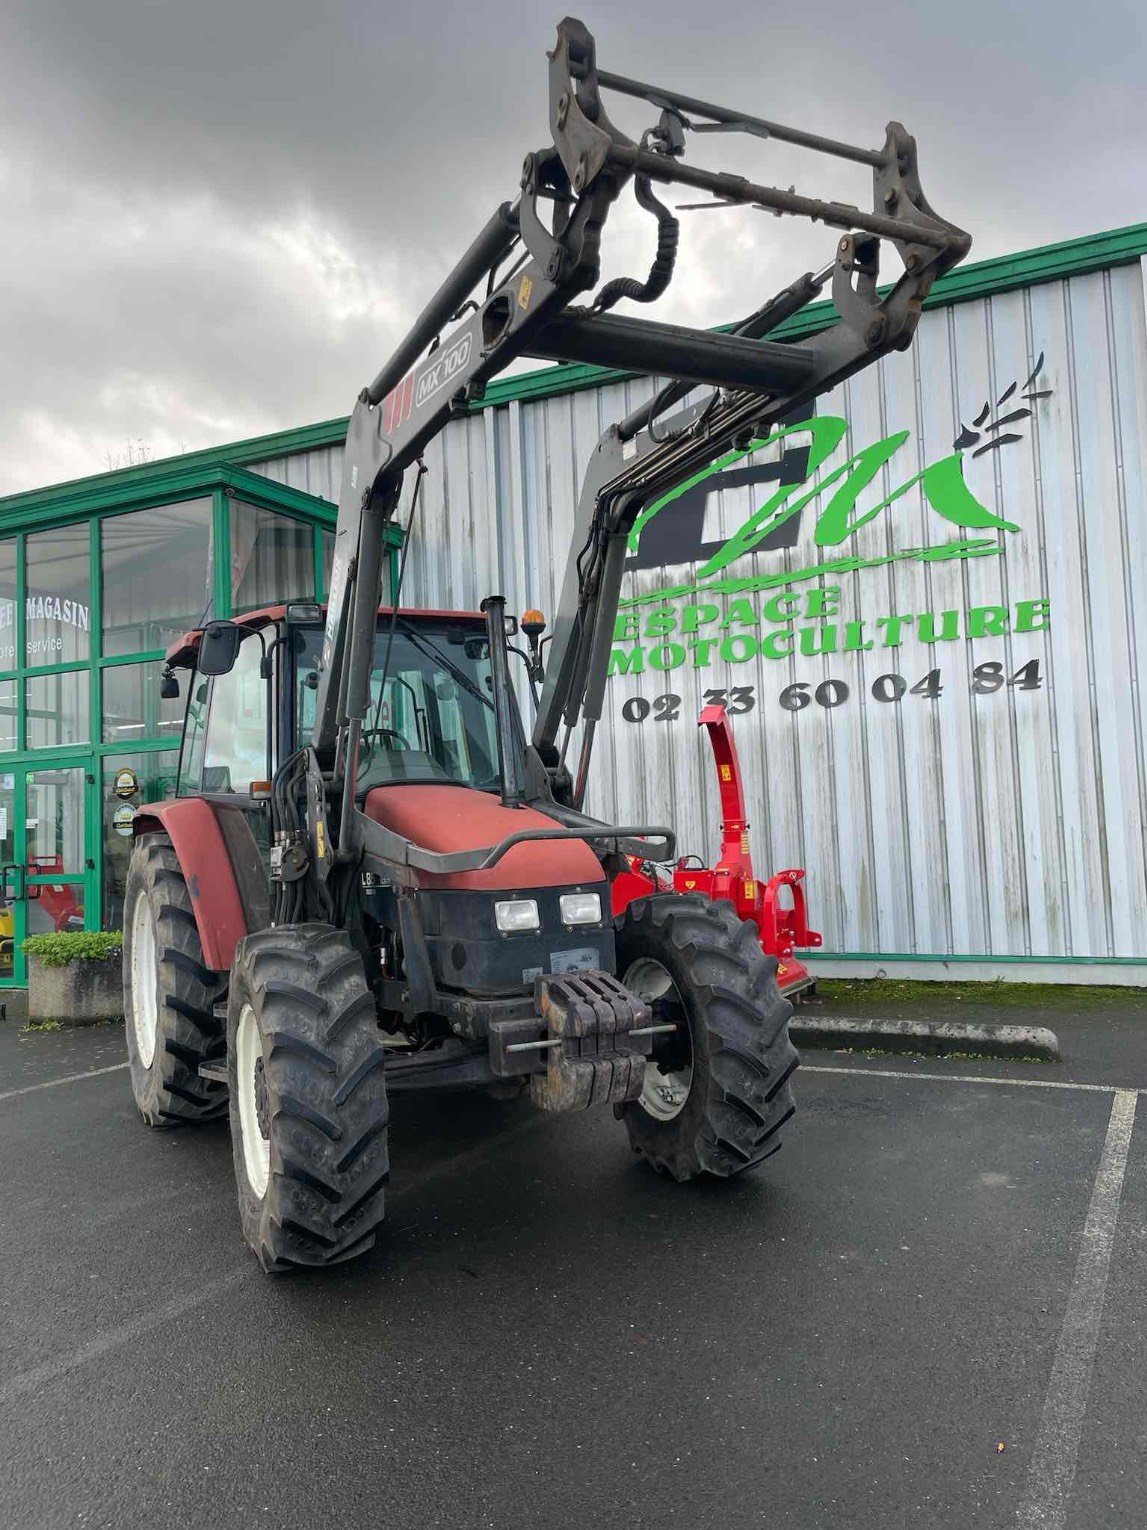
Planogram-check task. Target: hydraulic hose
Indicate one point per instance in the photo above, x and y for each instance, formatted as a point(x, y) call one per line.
point(661, 272)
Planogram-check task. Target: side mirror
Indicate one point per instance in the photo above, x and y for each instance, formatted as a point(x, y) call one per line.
point(169, 684)
point(219, 648)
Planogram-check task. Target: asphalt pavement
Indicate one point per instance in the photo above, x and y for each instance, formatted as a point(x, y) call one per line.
point(899, 1321)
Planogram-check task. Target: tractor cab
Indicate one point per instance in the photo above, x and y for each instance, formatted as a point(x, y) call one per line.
point(253, 683)
point(432, 773)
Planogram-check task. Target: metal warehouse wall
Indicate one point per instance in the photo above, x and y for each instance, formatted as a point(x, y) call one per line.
point(992, 814)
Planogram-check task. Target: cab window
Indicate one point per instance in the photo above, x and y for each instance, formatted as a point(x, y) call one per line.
point(433, 719)
point(191, 760)
point(235, 743)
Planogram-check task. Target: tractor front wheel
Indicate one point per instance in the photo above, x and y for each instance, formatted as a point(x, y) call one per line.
point(309, 1112)
point(717, 1091)
point(169, 993)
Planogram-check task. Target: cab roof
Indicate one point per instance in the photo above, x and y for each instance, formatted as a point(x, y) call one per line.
point(182, 653)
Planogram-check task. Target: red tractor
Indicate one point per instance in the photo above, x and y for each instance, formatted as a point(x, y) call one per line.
point(372, 879)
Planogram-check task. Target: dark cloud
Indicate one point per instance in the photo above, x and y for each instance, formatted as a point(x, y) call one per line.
point(217, 217)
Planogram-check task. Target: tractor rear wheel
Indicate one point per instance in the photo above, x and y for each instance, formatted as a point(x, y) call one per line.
point(717, 1093)
point(309, 1114)
point(169, 994)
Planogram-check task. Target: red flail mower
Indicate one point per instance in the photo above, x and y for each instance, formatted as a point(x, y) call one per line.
point(777, 907)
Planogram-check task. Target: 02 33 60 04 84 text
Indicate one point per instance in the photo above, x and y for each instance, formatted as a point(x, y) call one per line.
point(985, 680)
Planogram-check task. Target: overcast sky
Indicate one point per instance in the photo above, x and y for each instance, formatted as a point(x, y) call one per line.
point(218, 216)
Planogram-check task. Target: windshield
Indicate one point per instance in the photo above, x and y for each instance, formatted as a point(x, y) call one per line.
point(434, 718)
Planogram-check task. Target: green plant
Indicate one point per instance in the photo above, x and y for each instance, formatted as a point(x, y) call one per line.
point(64, 946)
point(1061, 998)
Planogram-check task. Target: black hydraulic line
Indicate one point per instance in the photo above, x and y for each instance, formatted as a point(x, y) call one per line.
point(491, 246)
point(661, 272)
point(642, 345)
point(760, 126)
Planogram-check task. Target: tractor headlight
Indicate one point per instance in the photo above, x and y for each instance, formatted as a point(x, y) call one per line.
point(516, 914)
point(580, 908)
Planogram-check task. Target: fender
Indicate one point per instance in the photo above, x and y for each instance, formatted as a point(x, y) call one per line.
point(193, 827)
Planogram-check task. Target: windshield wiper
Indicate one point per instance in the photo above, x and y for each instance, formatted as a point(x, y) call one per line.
point(433, 651)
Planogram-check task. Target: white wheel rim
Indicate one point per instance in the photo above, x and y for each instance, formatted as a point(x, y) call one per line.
point(248, 1056)
point(144, 980)
point(665, 1091)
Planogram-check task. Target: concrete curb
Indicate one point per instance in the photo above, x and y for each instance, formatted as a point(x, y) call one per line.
point(933, 1038)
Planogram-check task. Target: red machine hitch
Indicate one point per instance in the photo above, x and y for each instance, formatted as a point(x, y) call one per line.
point(782, 927)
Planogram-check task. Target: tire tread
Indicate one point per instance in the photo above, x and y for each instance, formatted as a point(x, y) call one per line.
point(189, 1032)
point(734, 996)
point(326, 1080)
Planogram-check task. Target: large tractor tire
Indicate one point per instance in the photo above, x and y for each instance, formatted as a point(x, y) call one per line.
point(717, 1093)
point(309, 1115)
point(169, 993)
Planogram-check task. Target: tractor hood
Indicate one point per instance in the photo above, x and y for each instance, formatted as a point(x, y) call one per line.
point(447, 819)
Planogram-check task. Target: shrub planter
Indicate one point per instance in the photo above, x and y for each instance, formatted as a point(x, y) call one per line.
point(75, 977)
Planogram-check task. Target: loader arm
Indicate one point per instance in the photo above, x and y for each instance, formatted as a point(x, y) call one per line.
point(495, 313)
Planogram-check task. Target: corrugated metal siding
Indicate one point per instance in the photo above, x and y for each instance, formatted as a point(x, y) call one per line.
point(317, 472)
point(1007, 824)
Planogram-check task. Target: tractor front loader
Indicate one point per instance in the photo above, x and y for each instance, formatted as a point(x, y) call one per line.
point(372, 878)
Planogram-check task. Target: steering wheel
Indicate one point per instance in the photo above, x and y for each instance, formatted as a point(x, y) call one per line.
point(391, 736)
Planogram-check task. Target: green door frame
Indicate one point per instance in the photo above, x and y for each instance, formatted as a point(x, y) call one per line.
point(29, 885)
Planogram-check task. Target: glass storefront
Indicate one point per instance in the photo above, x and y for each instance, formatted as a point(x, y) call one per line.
point(87, 608)
point(272, 558)
point(56, 709)
point(133, 708)
point(8, 604)
point(57, 596)
point(7, 716)
point(140, 611)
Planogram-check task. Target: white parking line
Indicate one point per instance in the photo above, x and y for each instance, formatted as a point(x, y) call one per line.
point(115, 1338)
point(68, 1078)
point(1056, 1448)
point(942, 1078)
point(968, 1078)
point(1055, 1452)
